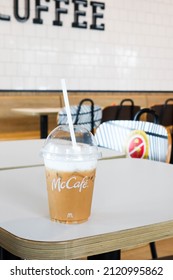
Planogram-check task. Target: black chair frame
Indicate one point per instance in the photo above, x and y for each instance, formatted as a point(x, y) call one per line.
point(120, 108)
point(147, 111)
point(121, 111)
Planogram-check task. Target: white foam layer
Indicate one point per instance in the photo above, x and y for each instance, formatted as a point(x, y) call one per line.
point(70, 165)
point(58, 148)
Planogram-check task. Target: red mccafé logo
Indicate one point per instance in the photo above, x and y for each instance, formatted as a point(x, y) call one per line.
point(60, 8)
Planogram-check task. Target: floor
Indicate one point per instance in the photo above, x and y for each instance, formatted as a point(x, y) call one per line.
point(164, 248)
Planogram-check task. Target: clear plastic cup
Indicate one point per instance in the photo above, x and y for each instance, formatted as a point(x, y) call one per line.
point(70, 173)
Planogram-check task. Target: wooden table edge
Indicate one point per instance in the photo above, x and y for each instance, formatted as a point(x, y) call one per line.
point(86, 246)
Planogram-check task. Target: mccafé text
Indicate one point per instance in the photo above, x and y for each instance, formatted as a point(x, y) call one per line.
point(61, 7)
point(71, 183)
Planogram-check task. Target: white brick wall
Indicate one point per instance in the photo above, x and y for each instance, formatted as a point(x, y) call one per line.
point(135, 52)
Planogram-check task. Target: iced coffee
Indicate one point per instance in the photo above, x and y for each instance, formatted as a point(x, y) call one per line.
point(70, 174)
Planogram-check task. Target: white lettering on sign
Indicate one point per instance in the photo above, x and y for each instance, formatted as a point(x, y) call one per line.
point(71, 183)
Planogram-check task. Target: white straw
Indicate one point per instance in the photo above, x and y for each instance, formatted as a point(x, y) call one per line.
point(67, 106)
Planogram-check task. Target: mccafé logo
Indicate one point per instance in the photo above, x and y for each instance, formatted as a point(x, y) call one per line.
point(80, 11)
point(71, 183)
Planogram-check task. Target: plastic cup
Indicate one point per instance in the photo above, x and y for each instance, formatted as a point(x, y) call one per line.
point(70, 173)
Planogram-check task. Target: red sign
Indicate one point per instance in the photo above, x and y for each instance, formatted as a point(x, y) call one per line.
point(138, 145)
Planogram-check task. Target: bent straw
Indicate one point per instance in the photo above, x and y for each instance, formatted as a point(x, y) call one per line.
point(67, 106)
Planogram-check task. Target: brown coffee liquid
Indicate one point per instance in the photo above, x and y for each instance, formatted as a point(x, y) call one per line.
point(70, 195)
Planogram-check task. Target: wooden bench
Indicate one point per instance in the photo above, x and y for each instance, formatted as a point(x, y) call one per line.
point(155, 98)
point(15, 126)
point(106, 99)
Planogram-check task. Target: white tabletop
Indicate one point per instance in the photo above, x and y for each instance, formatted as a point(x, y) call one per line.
point(129, 194)
point(22, 153)
point(36, 111)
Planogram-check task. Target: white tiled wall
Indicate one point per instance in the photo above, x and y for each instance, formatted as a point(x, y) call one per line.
point(135, 52)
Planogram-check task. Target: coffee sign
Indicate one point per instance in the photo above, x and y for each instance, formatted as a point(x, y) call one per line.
point(61, 7)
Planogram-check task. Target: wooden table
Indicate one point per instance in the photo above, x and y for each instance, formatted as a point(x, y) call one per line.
point(132, 204)
point(43, 113)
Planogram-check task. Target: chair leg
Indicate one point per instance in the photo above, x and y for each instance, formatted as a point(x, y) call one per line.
point(153, 250)
point(5, 255)
point(1, 253)
point(115, 255)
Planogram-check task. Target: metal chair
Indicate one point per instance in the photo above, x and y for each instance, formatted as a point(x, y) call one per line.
point(85, 115)
point(139, 139)
point(165, 115)
point(150, 112)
